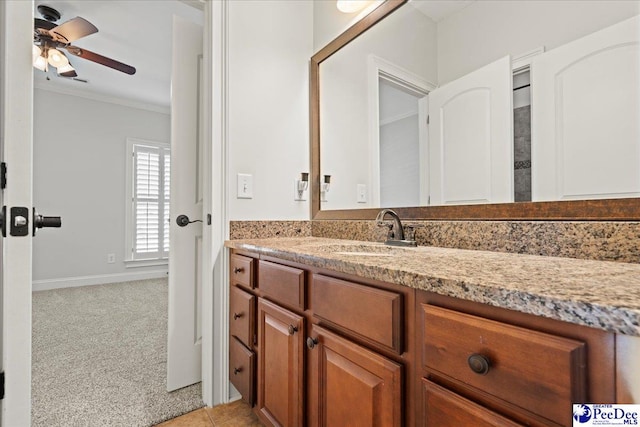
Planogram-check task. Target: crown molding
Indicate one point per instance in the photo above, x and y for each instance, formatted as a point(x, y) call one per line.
point(104, 98)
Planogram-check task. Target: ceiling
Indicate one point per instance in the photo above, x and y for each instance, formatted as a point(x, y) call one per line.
point(136, 32)
point(438, 10)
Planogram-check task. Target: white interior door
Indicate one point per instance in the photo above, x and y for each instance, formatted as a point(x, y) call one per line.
point(471, 137)
point(585, 139)
point(16, 118)
point(184, 350)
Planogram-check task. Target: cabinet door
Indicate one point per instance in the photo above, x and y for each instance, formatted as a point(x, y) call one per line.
point(443, 408)
point(280, 365)
point(351, 385)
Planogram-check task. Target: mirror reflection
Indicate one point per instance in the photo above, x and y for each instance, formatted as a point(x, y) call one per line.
point(467, 102)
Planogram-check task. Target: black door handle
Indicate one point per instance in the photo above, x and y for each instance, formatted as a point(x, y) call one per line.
point(41, 221)
point(183, 220)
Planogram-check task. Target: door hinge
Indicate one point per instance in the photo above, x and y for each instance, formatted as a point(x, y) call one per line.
point(1, 385)
point(3, 176)
point(428, 119)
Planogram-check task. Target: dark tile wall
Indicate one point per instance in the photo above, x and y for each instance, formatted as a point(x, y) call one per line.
point(522, 153)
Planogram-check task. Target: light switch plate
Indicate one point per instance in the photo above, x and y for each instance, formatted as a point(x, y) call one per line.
point(245, 186)
point(361, 193)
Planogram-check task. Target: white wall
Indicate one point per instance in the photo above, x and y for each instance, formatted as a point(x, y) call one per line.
point(79, 174)
point(329, 22)
point(270, 44)
point(344, 95)
point(488, 30)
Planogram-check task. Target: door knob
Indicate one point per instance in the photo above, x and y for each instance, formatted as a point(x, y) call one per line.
point(183, 220)
point(41, 221)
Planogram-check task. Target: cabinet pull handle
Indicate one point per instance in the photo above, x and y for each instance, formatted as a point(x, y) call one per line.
point(237, 270)
point(479, 364)
point(311, 343)
point(236, 371)
point(236, 316)
point(292, 329)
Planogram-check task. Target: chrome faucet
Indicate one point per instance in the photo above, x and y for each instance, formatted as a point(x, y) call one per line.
point(395, 237)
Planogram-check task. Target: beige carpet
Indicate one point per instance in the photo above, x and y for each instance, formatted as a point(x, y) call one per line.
point(100, 357)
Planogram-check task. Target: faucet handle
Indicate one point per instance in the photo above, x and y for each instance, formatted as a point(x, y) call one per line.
point(381, 223)
point(409, 232)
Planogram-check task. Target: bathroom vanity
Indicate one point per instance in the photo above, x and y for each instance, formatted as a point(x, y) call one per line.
point(335, 332)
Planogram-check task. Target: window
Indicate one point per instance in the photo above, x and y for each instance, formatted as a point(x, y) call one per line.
point(148, 173)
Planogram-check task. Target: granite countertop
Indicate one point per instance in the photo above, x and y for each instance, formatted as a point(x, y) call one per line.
point(599, 294)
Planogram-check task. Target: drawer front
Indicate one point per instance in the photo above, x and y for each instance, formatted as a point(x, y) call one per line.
point(242, 368)
point(242, 312)
point(241, 271)
point(284, 284)
point(538, 372)
point(443, 408)
point(373, 314)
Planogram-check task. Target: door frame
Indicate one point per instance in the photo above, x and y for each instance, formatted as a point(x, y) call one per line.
point(215, 291)
point(16, 348)
point(381, 68)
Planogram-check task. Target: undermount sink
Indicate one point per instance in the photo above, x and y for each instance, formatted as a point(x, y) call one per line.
point(365, 250)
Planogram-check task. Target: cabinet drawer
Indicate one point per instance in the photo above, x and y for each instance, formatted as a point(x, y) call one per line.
point(241, 271)
point(242, 367)
point(373, 314)
point(538, 372)
point(443, 408)
point(284, 284)
point(242, 320)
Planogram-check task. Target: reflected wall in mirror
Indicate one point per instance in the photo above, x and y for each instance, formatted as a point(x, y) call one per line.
point(477, 102)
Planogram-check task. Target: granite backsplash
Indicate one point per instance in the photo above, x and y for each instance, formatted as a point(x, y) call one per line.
point(603, 241)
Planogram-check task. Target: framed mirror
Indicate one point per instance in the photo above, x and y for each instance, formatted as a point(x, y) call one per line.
point(403, 115)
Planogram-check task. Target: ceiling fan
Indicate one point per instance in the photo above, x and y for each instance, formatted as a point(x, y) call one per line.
point(49, 38)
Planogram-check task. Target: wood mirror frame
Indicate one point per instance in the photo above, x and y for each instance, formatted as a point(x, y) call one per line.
point(574, 210)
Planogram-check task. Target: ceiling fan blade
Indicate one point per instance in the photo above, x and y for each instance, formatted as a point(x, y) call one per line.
point(73, 29)
point(71, 73)
point(103, 60)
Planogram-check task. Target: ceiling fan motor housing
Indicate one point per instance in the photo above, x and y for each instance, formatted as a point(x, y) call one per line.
point(49, 13)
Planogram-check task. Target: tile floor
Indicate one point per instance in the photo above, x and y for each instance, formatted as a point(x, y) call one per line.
point(234, 414)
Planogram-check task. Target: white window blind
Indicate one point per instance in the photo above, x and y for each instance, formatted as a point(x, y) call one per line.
point(150, 201)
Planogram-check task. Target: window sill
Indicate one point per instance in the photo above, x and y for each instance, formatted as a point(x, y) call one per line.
point(133, 263)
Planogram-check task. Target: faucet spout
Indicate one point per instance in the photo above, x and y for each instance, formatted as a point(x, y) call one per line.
point(396, 232)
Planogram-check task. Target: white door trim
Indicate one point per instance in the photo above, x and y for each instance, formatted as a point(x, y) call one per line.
point(215, 293)
point(381, 68)
point(17, 134)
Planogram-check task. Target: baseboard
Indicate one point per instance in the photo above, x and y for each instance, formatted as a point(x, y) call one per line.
point(101, 279)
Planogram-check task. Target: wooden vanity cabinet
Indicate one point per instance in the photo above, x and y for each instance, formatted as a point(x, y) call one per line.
point(313, 347)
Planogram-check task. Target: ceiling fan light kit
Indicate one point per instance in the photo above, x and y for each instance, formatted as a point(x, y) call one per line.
point(50, 37)
point(55, 58)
